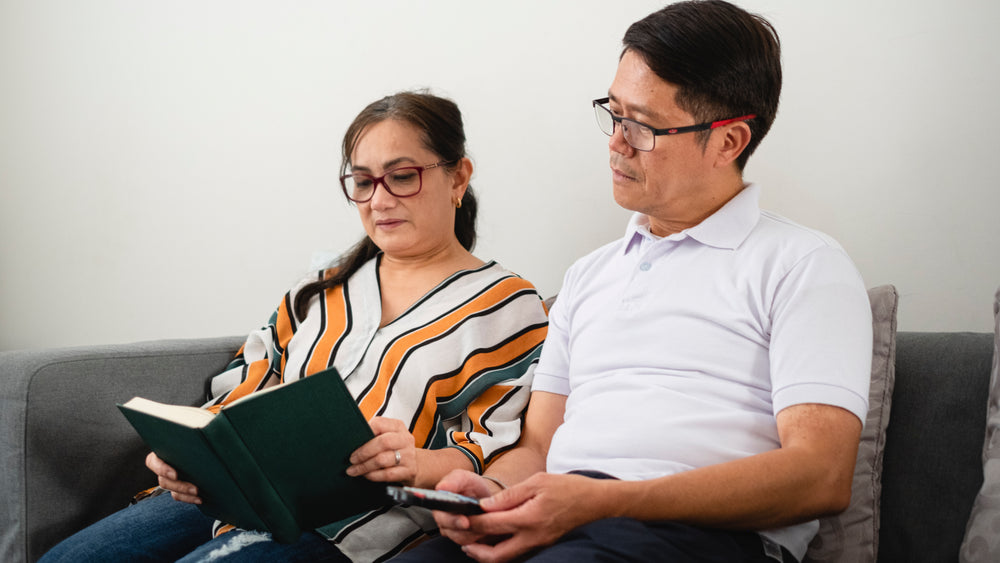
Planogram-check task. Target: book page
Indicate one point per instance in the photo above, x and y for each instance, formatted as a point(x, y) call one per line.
point(192, 417)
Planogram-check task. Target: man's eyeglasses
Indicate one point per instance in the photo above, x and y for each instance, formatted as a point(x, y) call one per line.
point(642, 137)
point(404, 181)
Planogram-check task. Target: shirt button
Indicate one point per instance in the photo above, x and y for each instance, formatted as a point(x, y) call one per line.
point(645, 266)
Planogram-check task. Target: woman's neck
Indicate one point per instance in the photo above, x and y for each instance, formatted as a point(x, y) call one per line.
point(449, 257)
point(404, 280)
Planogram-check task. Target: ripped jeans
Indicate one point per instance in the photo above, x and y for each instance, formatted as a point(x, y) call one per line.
point(162, 529)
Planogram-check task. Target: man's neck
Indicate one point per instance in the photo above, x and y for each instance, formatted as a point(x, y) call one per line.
point(715, 199)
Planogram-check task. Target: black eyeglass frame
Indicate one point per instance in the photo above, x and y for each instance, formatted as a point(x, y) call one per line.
point(376, 180)
point(599, 103)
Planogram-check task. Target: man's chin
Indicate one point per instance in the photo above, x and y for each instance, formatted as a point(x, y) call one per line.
point(625, 197)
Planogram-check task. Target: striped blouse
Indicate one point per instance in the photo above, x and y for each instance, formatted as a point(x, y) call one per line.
point(456, 367)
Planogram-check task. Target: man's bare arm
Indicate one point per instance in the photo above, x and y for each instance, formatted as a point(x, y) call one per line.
point(807, 477)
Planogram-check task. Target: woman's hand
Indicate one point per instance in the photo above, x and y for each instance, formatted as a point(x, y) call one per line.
point(390, 456)
point(167, 477)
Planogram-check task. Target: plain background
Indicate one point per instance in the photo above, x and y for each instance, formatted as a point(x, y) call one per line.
point(168, 169)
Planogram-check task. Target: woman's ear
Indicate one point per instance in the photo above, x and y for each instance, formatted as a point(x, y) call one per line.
point(732, 142)
point(463, 174)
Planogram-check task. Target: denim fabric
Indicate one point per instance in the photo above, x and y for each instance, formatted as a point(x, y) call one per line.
point(162, 529)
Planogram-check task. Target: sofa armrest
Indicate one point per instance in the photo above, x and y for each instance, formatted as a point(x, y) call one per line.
point(67, 456)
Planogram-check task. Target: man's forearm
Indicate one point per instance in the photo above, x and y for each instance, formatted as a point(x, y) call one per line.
point(753, 493)
point(808, 477)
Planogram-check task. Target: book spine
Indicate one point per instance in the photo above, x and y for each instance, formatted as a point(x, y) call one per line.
point(259, 491)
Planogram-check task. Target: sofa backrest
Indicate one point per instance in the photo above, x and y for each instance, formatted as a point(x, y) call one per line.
point(932, 467)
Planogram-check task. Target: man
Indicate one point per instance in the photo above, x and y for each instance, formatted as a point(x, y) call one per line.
point(701, 393)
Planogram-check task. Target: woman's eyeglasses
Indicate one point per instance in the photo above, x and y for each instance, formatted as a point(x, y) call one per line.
point(404, 181)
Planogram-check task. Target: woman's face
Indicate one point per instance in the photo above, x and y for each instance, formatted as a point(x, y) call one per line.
point(408, 227)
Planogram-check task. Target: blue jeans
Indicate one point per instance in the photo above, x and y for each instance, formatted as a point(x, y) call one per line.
point(162, 529)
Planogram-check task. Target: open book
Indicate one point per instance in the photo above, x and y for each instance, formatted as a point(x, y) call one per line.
point(274, 460)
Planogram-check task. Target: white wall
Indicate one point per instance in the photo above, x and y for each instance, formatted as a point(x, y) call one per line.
point(167, 169)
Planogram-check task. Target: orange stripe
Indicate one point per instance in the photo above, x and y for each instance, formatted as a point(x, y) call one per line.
point(336, 323)
point(375, 398)
point(258, 369)
point(476, 411)
point(475, 364)
point(255, 375)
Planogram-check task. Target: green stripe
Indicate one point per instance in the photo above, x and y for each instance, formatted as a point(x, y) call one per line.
point(460, 403)
point(474, 389)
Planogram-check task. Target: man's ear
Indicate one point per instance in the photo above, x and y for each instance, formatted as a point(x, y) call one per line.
point(731, 141)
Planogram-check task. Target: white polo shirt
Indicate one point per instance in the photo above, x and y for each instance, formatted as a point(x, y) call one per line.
point(678, 352)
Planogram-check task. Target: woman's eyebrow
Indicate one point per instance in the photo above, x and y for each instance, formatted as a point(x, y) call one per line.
point(387, 165)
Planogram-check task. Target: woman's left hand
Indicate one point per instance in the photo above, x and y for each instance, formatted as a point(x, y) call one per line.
point(390, 456)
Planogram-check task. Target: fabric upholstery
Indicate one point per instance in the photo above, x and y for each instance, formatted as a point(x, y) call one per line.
point(853, 535)
point(934, 442)
point(982, 535)
point(63, 443)
point(932, 471)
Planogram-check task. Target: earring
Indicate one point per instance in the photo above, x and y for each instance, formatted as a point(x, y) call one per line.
point(458, 204)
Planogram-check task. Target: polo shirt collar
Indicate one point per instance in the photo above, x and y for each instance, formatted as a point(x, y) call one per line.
point(726, 228)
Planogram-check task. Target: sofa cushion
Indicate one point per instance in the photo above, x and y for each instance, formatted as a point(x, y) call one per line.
point(853, 535)
point(982, 534)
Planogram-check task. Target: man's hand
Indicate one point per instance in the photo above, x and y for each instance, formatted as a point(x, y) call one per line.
point(456, 527)
point(167, 479)
point(533, 514)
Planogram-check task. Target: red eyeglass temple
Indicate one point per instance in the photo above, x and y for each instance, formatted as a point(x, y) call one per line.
point(733, 120)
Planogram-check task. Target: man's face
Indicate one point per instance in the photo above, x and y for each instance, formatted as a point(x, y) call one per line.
point(670, 182)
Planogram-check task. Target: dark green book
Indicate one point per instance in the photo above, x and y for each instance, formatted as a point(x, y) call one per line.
point(274, 460)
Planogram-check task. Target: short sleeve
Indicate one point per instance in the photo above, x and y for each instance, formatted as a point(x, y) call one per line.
point(821, 334)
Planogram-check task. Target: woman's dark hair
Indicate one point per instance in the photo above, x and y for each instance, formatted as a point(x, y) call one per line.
point(724, 61)
point(440, 123)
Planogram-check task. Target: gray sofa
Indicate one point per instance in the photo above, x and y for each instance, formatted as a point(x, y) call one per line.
point(68, 457)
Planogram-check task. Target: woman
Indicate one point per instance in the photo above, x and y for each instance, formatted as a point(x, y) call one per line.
point(436, 346)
